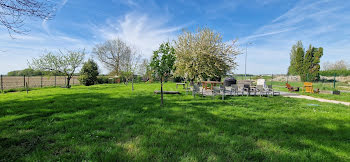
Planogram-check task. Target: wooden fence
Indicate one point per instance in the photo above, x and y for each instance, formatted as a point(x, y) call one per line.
point(14, 82)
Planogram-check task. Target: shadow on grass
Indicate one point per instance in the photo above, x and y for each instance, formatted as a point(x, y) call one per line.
point(100, 126)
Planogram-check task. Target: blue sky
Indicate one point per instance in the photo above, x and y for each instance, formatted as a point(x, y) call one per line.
point(272, 26)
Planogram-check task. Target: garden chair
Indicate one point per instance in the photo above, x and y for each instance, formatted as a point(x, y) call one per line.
point(272, 91)
point(292, 89)
point(224, 91)
point(196, 89)
point(262, 90)
point(261, 82)
point(240, 88)
point(234, 90)
point(249, 89)
point(217, 91)
point(308, 88)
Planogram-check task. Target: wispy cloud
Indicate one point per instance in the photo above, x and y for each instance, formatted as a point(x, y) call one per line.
point(140, 31)
point(44, 24)
point(320, 23)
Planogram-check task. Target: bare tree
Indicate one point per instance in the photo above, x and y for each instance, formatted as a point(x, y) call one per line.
point(338, 65)
point(119, 57)
point(113, 54)
point(145, 69)
point(60, 63)
point(14, 12)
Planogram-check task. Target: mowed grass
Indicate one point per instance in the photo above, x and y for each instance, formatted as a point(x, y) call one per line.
point(344, 96)
point(111, 123)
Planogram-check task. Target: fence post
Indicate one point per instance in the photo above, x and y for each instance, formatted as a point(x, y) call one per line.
point(73, 80)
point(41, 81)
point(335, 75)
point(65, 81)
point(24, 81)
point(55, 80)
point(2, 85)
point(271, 79)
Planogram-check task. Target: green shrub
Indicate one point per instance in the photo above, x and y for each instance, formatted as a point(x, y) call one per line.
point(337, 72)
point(89, 73)
point(102, 80)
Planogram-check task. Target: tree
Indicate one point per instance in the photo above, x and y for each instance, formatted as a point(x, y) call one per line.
point(299, 61)
point(292, 70)
point(145, 70)
point(204, 55)
point(114, 54)
point(163, 63)
point(14, 12)
point(89, 73)
point(60, 63)
point(337, 65)
point(311, 64)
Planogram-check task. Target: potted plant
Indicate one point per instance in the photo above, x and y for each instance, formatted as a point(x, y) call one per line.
point(335, 92)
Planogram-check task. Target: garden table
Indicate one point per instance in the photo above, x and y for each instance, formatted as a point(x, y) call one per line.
point(213, 83)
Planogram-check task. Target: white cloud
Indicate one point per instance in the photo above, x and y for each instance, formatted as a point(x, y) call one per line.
point(320, 23)
point(139, 30)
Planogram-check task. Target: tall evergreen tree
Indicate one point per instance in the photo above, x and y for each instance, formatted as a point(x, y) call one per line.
point(299, 61)
point(292, 70)
point(311, 66)
point(315, 70)
point(308, 60)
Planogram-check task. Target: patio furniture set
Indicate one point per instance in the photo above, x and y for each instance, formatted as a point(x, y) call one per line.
point(242, 88)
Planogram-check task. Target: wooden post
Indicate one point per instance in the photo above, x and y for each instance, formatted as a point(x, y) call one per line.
point(73, 80)
point(65, 81)
point(41, 81)
point(55, 80)
point(24, 81)
point(2, 84)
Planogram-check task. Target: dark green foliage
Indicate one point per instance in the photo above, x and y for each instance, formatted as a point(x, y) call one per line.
point(102, 79)
point(311, 67)
point(292, 70)
point(307, 65)
point(162, 63)
point(178, 79)
point(31, 72)
point(299, 61)
point(337, 72)
point(89, 73)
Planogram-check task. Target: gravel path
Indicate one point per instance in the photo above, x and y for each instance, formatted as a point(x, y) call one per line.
point(293, 95)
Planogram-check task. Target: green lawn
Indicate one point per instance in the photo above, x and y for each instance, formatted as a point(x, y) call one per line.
point(111, 123)
point(344, 96)
point(322, 86)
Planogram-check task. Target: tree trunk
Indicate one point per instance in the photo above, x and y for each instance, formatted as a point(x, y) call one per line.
point(132, 85)
point(68, 81)
point(161, 91)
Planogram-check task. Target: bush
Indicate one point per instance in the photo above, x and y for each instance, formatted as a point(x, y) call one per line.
point(89, 73)
point(102, 80)
point(337, 72)
point(178, 79)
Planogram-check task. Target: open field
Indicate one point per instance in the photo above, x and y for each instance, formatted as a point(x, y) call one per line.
point(111, 123)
